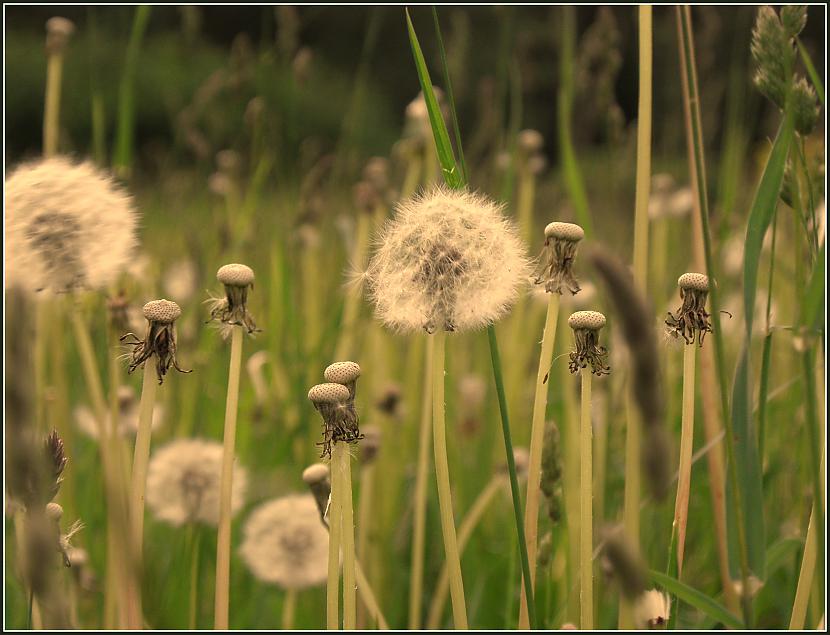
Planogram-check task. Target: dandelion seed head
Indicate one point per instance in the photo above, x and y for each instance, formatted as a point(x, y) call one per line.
point(181, 279)
point(448, 259)
point(564, 231)
point(530, 141)
point(315, 473)
point(162, 311)
point(68, 226)
point(651, 610)
point(183, 482)
point(342, 372)
point(235, 275)
point(58, 32)
point(370, 446)
point(330, 393)
point(693, 281)
point(284, 543)
point(590, 320)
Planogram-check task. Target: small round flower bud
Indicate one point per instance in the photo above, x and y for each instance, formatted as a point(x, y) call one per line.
point(235, 275)
point(162, 311)
point(54, 511)
point(693, 281)
point(316, 473)
point(588, 320)
point(565, 231)
point(342, 372)
point(328, 393)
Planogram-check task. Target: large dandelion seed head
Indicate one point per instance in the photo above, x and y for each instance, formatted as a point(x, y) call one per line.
point(68, 226)
point(183, 482)
point(448, 260)
point(285, 543)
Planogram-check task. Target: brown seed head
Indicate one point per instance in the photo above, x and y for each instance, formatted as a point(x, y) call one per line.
point(564, 231)
point(316, 473)
point(235, 275)
point(586, 320)
point(693, 281)
point(342, 372)
point(162, 311)
point(328, 393)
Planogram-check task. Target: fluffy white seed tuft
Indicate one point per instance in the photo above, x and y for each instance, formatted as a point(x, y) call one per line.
point(68, 226)
point(448, 259)
point(285, 543)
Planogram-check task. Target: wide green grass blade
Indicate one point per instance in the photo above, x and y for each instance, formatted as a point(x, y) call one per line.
point(452, 173)
point(698, 600)
point(813, 303)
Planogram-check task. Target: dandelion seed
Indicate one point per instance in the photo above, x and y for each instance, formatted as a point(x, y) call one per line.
point(448, 260)
point(284, 543)
point(651, 610)
point(692, 320)
point(555, 268)
point(160, 340)
point(68, 227)
point(586, 326)
point(183, 482)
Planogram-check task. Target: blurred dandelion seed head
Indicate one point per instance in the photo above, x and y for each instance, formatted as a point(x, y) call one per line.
point(68, 226)
point(183, 482)
point(284, 543)
point(651, 610)
point(449, 260)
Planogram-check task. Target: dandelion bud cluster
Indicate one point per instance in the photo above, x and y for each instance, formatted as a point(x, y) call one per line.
point(335, 403)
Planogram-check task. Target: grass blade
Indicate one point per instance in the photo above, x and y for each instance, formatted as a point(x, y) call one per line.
point(698, 600)
point(813, 302)
point(811, 71)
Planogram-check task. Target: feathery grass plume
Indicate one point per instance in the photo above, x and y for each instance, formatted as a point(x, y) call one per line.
point(318, 479)
point(551, 482)
point(449, 260)
point(586, 326)
point(773, 54)
point(692, 320)
point(555, 264)
point(637, 324)
point(127, 420)
point(283, 543)
point(626, 565)
point(233, 308)
point(651, 610)
point(805, 106)
point(160, 340)
point(68, 226)
point(183, 482)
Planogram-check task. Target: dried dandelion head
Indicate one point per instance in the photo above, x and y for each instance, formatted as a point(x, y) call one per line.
point(183, 482)
point(555, 263)
point(284, 543)
point(160, 340)
point(317, 477)
point(58, 32)
point(68, 227)
point(390, 400)
point(586, 326)
point(449, 260)
point(692, 321)
point(336, 407)
point(233, 308)
point(651, 610)
point(345, 373)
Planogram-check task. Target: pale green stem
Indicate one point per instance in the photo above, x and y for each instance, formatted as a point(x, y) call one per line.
point(442, 475)
point(586, 577)
point(416, 578)
point(223, 541)
point(335, 525)
point(368, 597)
point(465, 530)
point(687, 431)
point(51, 115)
point(571, 456)
point(342, 460)
point(141, 459)
point(525, 195)
point(537, 434)
point(289, 607)
point(364, 522)
point(195, 541)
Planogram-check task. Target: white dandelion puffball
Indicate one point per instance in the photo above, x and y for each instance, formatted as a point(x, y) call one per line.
point(127, 416)
point(651, 609)
point(183, 482)
point(448, 259)
point(68, 226)
point(285, 543)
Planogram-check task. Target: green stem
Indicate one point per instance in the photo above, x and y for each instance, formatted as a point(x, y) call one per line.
point(51, 116)
point(335, 525)
point(195, 541)
point(586, 541)
point(223, 541)
point(342, 462)
point(511, 467)
point(289, 607)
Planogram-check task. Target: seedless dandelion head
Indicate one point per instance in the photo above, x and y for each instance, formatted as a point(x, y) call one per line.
point(58, 32)
point(317, 478)
point(335, 403)
point(68, 227)
point(692, 321)
point(342, 372)
point(530, 141)
point(160, 339)
point(586, 326)
point(284, 543)
point(162, 311)
point(448, 259)
point(315, 473)
point(555, 264)
point(183, 482)
point(330, 393)
point(233, 308)
point(651, 610)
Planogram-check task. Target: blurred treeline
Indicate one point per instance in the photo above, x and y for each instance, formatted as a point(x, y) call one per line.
point(336, 75)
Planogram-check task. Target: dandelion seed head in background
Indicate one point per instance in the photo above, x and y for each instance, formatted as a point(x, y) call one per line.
point(68, 226)
point(284, 543)
point(651, 610)
point(127, 424)
point(449, 259)
point(183, 482)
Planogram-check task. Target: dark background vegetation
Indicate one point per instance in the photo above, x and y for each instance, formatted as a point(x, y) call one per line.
point(183, 47)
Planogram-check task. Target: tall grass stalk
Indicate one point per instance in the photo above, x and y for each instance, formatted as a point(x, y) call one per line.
point(342, 460)
point(681, 504)
point(586, 535)
point(537, 434)
point(416, 578)
point(223, 540)
point(335, 525)
point(442, 473)
point(631, 503)
point(365, 514)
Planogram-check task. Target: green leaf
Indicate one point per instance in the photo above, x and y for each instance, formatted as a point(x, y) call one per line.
point(452, 173)
point(811, 71)
point(813, 303)
point(695, 598)
point(780, 553)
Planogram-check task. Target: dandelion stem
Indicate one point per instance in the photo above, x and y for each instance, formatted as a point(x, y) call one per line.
point(368, 597)
point(342, 460)
point(465, 530)
point(442, 474)
point(537, 434)
point(416, 579)
point(51, 115)
point(138, 484)
point(223, 541)
point(586, 581)
point(681, 505)
point(195, 542)
point(289, 607)
point(334, 519)
point(364, 522)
